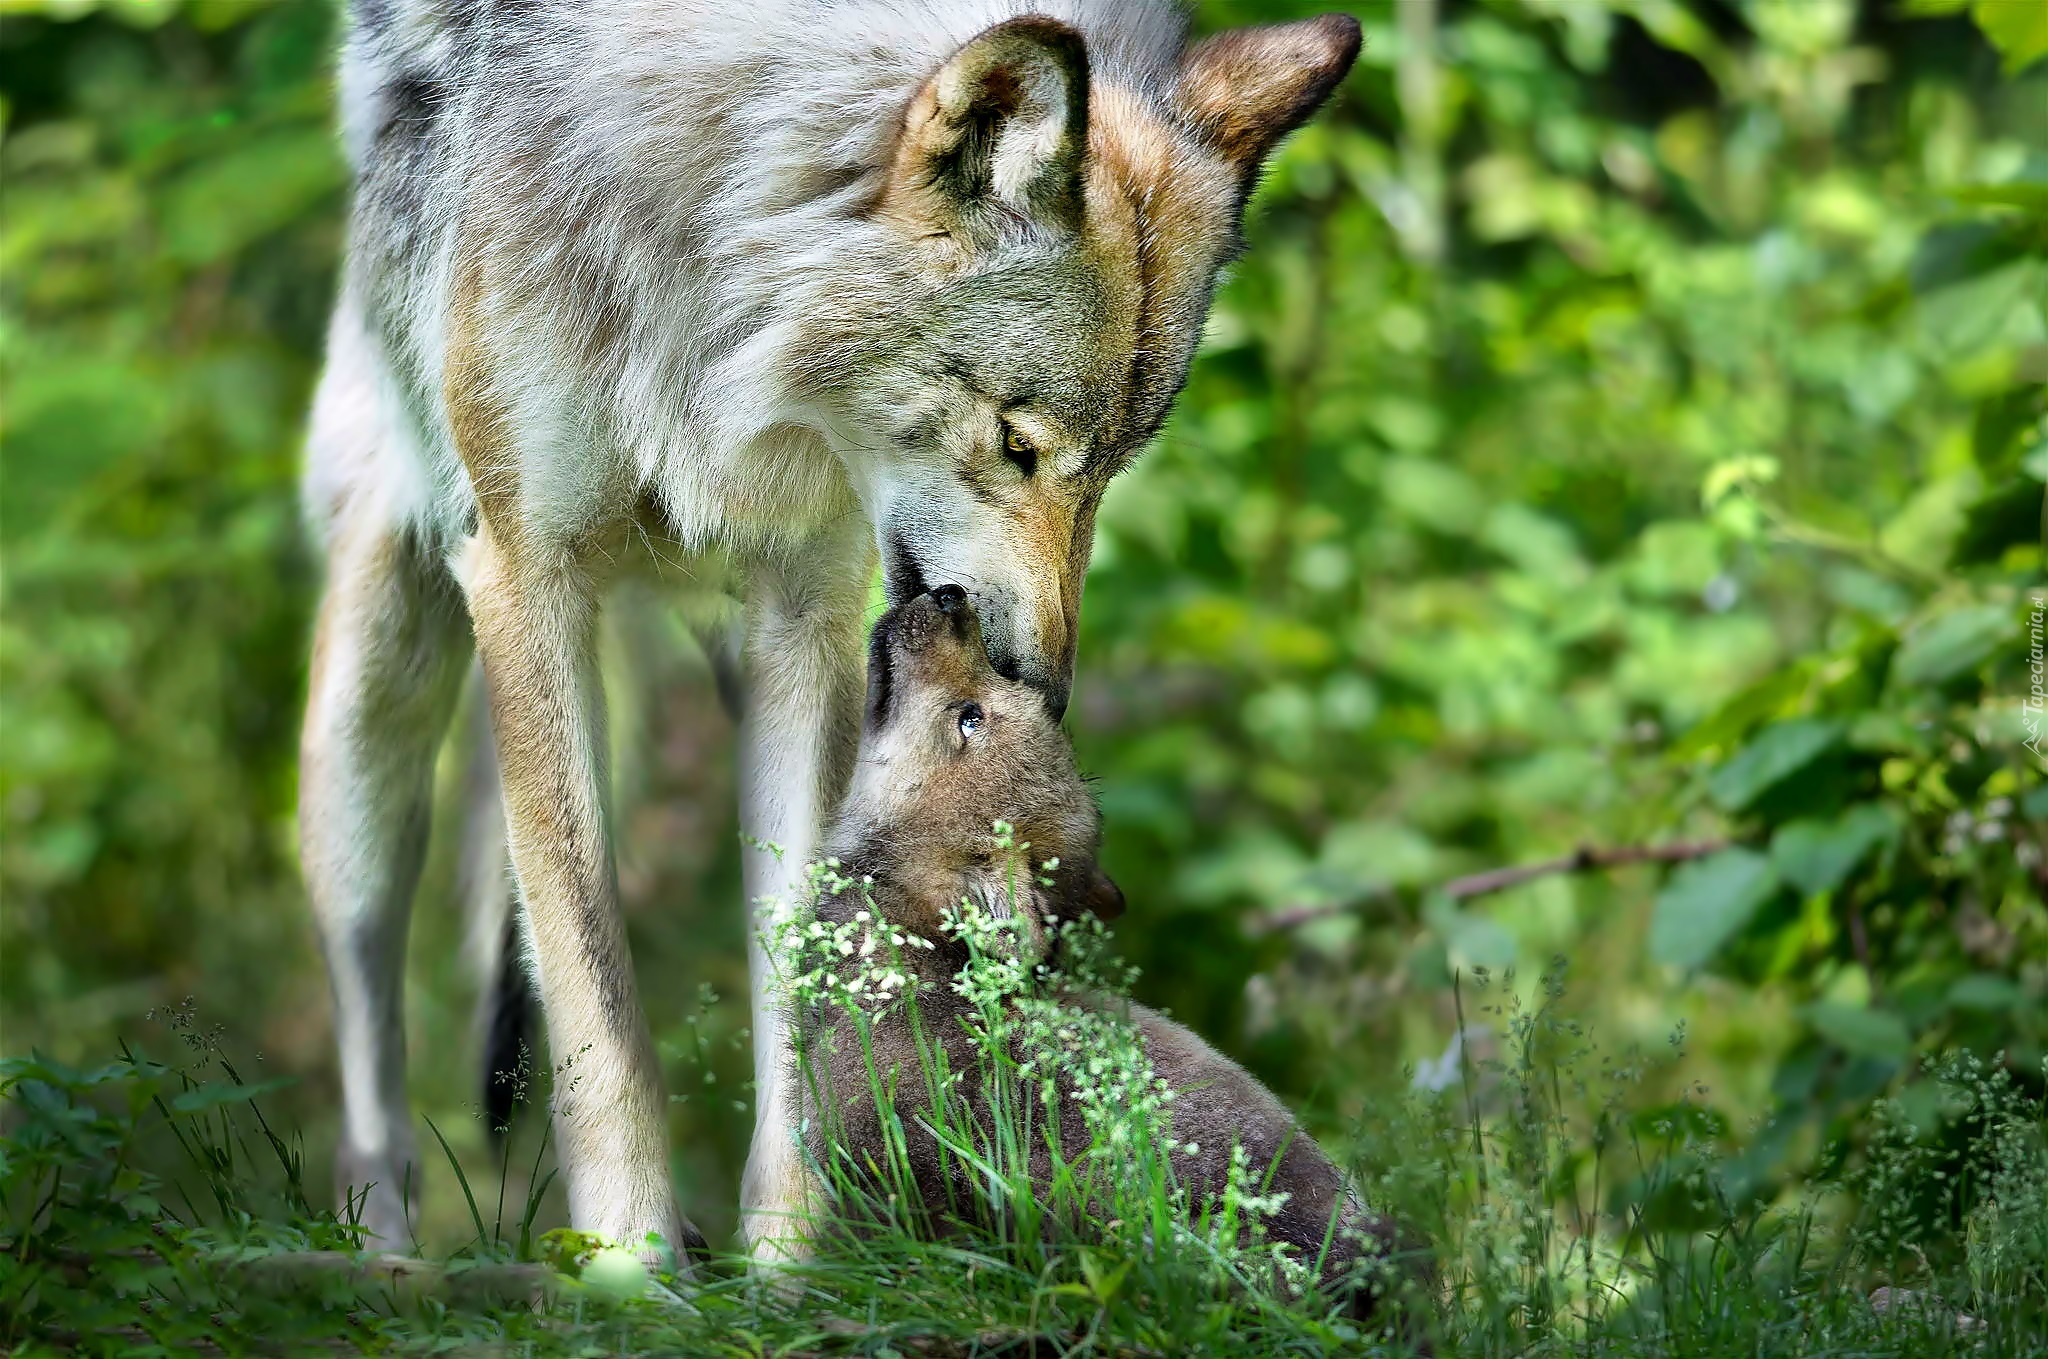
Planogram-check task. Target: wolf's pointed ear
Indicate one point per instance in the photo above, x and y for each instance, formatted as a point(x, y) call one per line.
point(1246, 88)
point(1000, 130)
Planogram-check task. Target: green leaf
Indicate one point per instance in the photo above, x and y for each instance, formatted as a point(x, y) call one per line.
point(2017, 28)
point(1475, 939)
point(2026, 195)
point(1731, 474)
point(1104, 1281)
point(233, 199)
point(211, 1096)
point(1818, 856)
point(1778, 752)
point(566, 1250)
point(1961, 251)
point(1985, 991)
point(1859, 1032)
point(1677, 557)
point(41, 1067)
point(2006, 516)
point(1765, 698)
point(2035, 463)
point(1436, 495)
point(1706, 903)
point(1942, 648)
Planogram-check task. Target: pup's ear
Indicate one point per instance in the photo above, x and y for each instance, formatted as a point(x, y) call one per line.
point(1244, 89)
point(1102, 898)
point(1001, 129)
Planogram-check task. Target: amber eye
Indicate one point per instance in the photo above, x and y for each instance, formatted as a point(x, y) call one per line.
point(1019, 450)
point(971, 717)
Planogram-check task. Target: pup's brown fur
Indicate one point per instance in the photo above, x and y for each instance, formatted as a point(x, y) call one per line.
point(917, 822)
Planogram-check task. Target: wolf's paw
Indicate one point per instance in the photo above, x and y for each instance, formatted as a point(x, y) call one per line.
point(380, 1191)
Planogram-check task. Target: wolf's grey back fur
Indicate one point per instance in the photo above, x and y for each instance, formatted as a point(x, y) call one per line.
point(688, 143)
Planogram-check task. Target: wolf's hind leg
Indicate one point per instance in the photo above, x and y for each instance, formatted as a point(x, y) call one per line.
point(387, 655)
point(801, 689)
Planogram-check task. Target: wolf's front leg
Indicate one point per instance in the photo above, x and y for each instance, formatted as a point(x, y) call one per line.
point(535, 619)
point(803, 680)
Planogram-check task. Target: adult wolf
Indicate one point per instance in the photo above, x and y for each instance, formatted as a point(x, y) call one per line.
point(796, 283)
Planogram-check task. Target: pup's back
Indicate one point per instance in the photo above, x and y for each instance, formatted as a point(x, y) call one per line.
point(948, 749)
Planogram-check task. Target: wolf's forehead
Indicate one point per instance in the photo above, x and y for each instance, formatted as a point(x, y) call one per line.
point(1096, 331)
point(1052, 334)
point(1076, 337)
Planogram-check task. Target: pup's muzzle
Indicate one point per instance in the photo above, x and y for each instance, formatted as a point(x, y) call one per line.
point(934, 638)
point(938, 614)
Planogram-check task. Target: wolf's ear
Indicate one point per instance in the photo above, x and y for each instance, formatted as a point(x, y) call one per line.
point(1000, 130)
point(1246, 88)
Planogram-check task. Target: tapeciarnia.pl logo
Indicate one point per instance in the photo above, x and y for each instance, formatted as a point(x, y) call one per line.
point(2037, 672)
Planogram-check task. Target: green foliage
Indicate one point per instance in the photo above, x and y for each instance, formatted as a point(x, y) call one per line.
point(168, 245)
point(1626, 428)
point(1707, 902)
point(93, 1243)
point(1560, 1213)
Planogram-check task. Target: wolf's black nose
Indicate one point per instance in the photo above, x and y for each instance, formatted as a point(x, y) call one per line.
point(949, 598)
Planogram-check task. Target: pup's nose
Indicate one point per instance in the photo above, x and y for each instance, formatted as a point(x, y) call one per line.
point(949, 598)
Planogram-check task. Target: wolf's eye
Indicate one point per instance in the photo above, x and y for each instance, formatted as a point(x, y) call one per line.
point(971, 717)
point(1019, 449)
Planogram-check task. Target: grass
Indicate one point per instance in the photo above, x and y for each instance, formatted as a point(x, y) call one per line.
point(1562, 1216)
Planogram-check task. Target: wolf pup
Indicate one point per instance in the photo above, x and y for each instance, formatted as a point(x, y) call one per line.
point(773, 283)
point(948, 748)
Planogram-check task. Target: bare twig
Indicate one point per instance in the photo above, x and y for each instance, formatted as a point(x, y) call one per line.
point(1282, 918)
point(1584, 859)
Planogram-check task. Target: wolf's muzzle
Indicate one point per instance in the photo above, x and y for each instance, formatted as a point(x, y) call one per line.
point(1052, 681)
point(1052, 686)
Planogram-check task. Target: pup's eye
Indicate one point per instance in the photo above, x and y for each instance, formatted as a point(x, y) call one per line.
point(1019, 449)
point(971, 717)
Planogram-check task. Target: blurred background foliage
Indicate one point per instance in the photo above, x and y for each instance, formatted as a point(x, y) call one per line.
point(1628, 429)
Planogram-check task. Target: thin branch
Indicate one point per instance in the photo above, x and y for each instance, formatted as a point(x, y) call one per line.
point(1293, 917)
point(1868, 553)
point(1584, 859)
